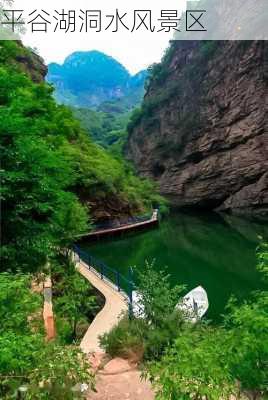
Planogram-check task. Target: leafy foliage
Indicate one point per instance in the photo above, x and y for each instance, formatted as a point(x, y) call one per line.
point(17, 311)
point(125, 339)
point(50, 171)
point(47, 370)
point(59, 374)
point(156, 301)
point(105, 128)
point(194, 367)
point(37, 209)
point(74, 301)
point(148, 336)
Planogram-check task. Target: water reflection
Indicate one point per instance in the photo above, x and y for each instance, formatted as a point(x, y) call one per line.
point(217, 252)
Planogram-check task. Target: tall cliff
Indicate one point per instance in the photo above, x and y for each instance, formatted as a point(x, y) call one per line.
point(202, 131)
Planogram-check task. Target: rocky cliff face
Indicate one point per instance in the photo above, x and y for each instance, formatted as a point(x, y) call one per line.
point(202, 132)
point(31, 63)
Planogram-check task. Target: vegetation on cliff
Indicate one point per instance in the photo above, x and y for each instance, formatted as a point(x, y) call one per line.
point(106, 128)
point(52, 171)
point(160, 78)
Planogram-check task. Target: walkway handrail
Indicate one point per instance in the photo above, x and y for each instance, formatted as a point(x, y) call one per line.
point(110, 228)
point(104, 272)
point(126, 222)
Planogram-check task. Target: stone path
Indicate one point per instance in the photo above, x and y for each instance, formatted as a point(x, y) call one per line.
point(119, 380)
point(115, 306)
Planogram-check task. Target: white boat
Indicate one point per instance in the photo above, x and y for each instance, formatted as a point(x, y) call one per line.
point(194, 304)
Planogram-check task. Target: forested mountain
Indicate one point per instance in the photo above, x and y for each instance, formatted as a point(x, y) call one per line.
point(201, 132)
point(87, 79)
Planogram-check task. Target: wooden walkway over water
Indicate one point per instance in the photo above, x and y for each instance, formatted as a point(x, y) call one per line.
point(99, 233)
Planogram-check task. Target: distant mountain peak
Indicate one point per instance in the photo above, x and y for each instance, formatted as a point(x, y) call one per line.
point(89, 78)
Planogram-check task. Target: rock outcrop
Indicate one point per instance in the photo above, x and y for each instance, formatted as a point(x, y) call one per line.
point(31, 63)
point(202, 132)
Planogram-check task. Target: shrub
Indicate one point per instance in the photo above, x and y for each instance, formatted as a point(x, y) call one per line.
point(47, 370)
point(135, 119)
point(194, 367)
point(148, 336)
point(157, 301)
point(125, 339)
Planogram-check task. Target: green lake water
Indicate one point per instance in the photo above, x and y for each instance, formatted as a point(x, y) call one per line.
point(216, 252)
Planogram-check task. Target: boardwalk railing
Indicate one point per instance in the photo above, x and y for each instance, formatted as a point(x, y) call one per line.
point(125, 222)
point(116, 227)
point(111, 276)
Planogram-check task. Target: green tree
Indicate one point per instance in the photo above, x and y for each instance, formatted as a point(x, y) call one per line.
point(76, 303)
point(17, 311)
point(39, 213)
point(51, 174)
point(157, 301)
point(155, 323)
point(194, 367)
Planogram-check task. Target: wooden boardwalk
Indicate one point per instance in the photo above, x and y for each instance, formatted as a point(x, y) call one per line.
point(153, 221)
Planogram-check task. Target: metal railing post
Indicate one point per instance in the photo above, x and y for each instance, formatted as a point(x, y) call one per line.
point(118, 280)
point(105, 272)
point(130, 294)
point(130, 306)
point(78, 253)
